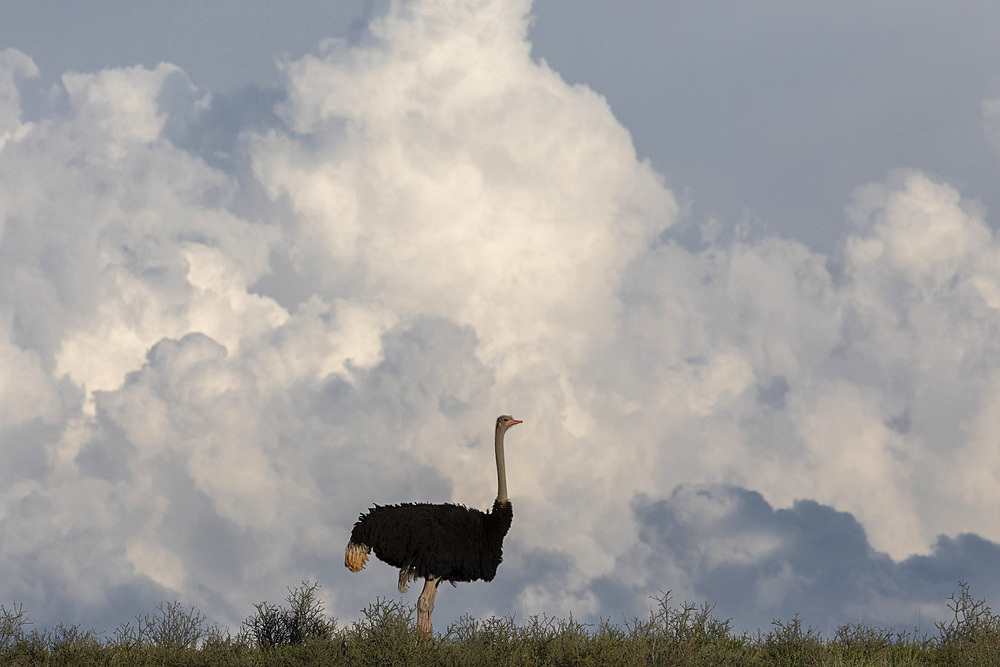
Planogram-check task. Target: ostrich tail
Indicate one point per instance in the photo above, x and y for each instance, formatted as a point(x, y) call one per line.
point(406, 575)
point(355, 556)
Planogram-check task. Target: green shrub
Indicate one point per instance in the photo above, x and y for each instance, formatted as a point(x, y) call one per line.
point(304, 620)
point(972, 636)
point(12, 622)
point(174, 626)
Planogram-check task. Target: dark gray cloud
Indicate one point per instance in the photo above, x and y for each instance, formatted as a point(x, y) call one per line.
point(728, 546)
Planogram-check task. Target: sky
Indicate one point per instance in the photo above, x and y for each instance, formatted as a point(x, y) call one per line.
point(736, 271)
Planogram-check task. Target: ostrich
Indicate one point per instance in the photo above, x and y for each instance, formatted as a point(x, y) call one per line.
point(437, 542)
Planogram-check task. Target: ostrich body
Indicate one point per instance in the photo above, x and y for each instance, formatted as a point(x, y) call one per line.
point(438, 542)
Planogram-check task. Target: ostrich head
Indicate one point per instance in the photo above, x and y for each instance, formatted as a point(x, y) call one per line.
point(504, 422)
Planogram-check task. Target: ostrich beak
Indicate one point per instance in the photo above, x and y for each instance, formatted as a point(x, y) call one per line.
point(514, 422)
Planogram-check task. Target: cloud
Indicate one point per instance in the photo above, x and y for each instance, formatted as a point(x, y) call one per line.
point(230, 324)
point(14, 66)
point(400, 194)
point(111, 234)
point(728, 545)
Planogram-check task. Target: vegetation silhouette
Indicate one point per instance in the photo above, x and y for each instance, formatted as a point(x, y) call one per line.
point(673, 634)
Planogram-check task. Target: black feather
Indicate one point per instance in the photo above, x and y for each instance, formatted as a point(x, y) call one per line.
point(450, 542)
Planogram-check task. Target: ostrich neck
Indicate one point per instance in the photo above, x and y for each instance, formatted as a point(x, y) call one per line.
point(501, 471)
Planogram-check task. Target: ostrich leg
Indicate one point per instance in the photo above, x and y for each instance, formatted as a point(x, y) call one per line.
point(425, 605)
